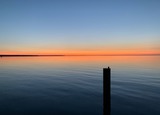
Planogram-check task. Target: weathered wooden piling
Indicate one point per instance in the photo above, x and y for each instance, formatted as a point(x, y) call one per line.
point(106, 91)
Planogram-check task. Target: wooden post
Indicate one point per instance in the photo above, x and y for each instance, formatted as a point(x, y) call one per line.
point(106, 91)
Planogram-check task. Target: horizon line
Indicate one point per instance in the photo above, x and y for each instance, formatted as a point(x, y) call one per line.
point(33, 55)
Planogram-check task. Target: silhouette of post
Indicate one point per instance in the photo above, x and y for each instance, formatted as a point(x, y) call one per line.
point(106, 91)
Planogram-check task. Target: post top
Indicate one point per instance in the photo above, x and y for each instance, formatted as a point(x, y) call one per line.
point(107, 68)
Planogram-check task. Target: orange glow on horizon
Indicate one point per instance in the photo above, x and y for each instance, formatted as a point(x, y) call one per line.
point(81, 52)
point(66, 61)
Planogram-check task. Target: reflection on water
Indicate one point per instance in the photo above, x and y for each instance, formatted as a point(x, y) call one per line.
point(72, 85)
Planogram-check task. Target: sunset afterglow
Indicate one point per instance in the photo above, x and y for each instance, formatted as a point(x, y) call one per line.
point(79, 27)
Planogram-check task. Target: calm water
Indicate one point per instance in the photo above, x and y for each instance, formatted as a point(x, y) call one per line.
point(73, 85)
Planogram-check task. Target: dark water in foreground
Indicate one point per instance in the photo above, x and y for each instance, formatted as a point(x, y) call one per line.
point(73, 85)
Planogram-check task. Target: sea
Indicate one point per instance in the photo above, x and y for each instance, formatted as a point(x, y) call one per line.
point(73, 85)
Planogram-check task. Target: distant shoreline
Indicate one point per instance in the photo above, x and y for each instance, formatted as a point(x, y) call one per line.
point(81, 55)
point(27, 55)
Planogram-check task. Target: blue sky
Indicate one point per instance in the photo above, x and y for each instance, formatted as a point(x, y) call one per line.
point(79, 25)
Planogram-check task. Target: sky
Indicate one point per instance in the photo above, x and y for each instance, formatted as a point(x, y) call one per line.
point(80, 27)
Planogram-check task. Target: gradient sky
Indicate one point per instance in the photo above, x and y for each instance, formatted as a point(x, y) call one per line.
point(79, 26)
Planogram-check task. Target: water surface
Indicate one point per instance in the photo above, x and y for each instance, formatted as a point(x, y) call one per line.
point(72, 85)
